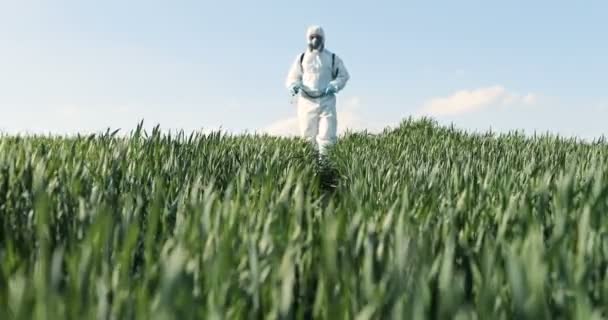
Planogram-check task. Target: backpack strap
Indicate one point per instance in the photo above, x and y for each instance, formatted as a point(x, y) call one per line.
point(334, 74)
point(302, 60)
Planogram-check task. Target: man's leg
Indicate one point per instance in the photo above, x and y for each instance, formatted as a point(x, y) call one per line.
point(328, 126)
point(308, 118)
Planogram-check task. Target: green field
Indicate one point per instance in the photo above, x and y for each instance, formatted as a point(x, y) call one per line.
point(418, 222)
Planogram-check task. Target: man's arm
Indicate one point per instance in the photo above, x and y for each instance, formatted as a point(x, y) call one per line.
point(343, 76)
point(294, 77)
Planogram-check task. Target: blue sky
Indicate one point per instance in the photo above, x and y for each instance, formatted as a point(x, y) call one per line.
point(83, 66)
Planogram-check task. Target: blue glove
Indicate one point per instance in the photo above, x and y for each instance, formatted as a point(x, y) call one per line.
point(330, 90)
point(294, 89)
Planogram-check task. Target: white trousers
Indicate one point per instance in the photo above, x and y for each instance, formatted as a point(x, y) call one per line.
point(318, 121)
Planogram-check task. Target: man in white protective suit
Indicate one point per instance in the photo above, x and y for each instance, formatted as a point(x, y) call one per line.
point(316, 76)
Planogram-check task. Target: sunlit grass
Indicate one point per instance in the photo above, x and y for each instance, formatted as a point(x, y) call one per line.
point(421, 221)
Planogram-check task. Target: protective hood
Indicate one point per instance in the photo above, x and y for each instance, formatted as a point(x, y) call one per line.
point(316, 30)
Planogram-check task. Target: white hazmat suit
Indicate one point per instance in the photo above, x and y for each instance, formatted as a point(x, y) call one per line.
point(312, 73)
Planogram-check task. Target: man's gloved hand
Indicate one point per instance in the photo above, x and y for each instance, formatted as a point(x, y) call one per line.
point(294, 89)
point(330, 90)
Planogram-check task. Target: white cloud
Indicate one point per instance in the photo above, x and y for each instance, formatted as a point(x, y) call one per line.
point(530, 99)
point(467, 101)
point(284, 127)
point(350, 118)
